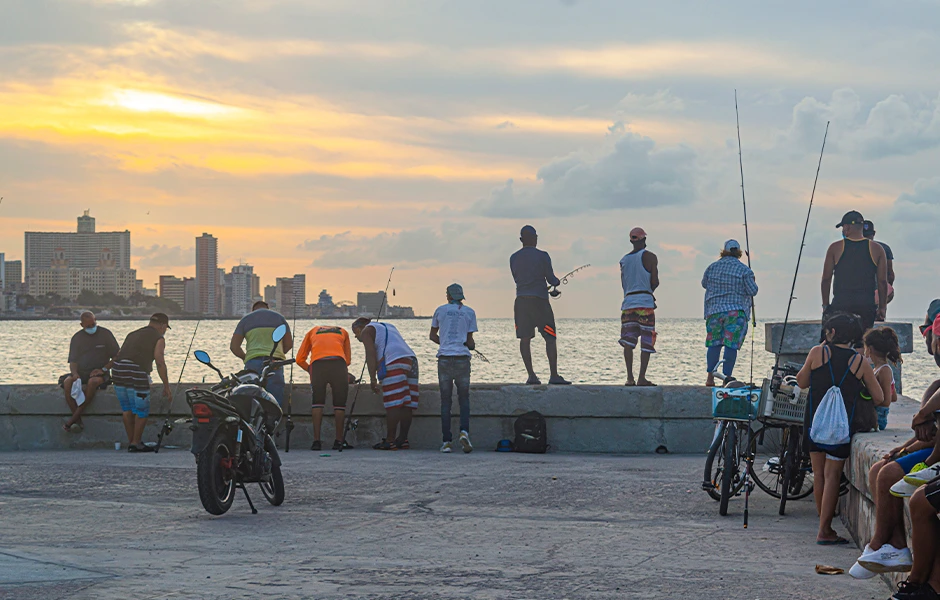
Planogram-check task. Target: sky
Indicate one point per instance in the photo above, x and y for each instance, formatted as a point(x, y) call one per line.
point(340, 139)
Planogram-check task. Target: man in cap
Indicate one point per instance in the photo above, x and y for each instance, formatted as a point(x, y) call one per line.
point(532, 271)
point(131, 373)
point(639, 276)
point(869, 233)
point(452, 328)
point(91, 351)
point(729, 293)
point(255, 329)
point(855, 268)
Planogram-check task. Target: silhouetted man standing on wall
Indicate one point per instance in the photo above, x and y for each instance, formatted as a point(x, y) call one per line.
point(855, 268)
point(532, 270)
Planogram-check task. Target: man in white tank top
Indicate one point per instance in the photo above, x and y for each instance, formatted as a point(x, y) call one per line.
point(639, 276)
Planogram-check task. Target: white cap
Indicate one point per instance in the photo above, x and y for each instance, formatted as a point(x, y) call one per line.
point(732, 245)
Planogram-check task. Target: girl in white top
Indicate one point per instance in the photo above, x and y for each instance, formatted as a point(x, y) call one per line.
point(882, 346)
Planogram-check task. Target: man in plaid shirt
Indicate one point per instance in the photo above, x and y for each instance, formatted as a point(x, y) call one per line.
point(729, 292)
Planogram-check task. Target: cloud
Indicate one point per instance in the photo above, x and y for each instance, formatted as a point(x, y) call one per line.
point(159, 255)
point(451, 243)
point(631, 173)
point(893, 127)
point(918, 211)
point(660, 101)
point(506, 125)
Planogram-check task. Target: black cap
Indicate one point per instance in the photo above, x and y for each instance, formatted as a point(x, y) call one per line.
point(853, 217)
point(160, 318)
point(868, 229)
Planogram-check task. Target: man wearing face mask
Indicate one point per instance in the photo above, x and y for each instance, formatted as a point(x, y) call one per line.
point(855, 268)
point(91, 352)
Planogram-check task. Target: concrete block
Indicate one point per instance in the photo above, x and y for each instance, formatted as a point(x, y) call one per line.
point(803, 335)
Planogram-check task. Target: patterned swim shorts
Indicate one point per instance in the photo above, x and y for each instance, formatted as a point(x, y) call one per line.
point(638, 325)
point(726, 329)
point(400, 386)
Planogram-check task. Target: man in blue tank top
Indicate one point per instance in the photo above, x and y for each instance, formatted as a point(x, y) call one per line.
point(854, 270)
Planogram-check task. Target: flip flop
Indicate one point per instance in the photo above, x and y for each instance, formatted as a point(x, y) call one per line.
point(839, 541)
point(533, 381)
point(646, 384)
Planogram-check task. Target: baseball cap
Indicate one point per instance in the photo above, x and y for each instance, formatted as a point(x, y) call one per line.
point(637, 233)
point(528, 230)
point(160, 318)
point(455, 290)
point(732, 245)
point(853, 217)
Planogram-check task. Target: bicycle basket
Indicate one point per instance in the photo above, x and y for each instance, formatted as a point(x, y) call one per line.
point(780, 406)
point(738, 404)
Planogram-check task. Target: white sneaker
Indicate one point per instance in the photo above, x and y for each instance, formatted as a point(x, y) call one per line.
point(465, 442)
point(447, 447)
point(887, 559)
point(858, 571)
point(903, 489)
point(919, 478)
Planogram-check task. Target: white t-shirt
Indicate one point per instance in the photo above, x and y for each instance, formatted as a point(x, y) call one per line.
point(389, 344)
point(455, 321)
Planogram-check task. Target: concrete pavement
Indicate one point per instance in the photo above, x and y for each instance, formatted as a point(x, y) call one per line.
point(411, 524)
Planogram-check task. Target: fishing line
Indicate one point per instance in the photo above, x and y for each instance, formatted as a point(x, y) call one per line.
point(289, 426)
point(365, 363)
point(799, 256)
point(747, 237)
point(167, 427)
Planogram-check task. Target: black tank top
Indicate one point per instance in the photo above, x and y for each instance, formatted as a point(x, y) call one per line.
point(138, 347)
point(861, 412)
point(855, 275)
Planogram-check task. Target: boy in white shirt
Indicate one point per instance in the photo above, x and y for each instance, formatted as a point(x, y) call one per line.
point(452, 327)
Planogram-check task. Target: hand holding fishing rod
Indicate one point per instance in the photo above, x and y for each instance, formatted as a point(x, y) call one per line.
point(554, 292)
point(167, 427)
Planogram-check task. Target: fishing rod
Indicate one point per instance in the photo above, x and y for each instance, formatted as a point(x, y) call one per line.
point(747, 251)
point(747, 242)
point(350, 423)
point(480, 355)
point(167, 427)
point(289, 426)
point(554, 291)
point(799, 256)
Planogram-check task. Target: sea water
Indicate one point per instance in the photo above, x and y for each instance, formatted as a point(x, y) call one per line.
point(588, 351)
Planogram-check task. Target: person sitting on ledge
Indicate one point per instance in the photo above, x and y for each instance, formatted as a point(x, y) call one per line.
point(887, 550)
point(924, 580)
point(91, 352)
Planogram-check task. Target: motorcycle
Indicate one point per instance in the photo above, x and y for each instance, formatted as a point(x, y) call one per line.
point(232, 425)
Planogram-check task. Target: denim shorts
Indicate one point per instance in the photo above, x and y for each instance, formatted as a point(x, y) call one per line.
point(135, 401)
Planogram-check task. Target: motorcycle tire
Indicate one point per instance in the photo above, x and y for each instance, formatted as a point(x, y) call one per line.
point(273, 489)
point(216, 483)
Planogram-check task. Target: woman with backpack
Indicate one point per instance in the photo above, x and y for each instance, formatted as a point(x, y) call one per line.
point(834, 370)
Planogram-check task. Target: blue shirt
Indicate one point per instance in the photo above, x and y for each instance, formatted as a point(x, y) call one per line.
point(532, 270)
point(729, 285)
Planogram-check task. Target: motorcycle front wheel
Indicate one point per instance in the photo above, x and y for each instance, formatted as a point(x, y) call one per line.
point(273, 488)
point(215, 475)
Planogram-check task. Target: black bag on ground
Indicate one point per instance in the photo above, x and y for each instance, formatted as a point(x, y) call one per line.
point(531, 434)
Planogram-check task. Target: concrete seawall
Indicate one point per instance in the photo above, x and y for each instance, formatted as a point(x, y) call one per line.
point(581, 418)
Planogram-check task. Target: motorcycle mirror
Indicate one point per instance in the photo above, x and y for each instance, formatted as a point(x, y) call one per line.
point(279, 333)
point(202, 356)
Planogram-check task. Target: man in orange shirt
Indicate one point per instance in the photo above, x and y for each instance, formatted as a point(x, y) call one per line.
point(325, 354)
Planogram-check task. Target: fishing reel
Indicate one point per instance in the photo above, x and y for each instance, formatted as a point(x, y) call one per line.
point(554, 292)
point(354, 424)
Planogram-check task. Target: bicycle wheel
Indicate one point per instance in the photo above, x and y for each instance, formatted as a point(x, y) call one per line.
point(791, 468)
point(767, 446)
point(729, 450)
point(801, 485)
point(714, 463)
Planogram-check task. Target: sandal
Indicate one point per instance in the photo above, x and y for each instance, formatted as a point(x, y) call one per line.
point(383, 445)
point(402, 445)
point(839, 541)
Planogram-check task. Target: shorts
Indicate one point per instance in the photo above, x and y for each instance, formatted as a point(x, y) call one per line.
point(531, 313)
point(638, 325)
point(882, 412)
point(908, 461)
point(932, 492)
point(135, 401)
point(330, 371)
point(726, 329)
point(400, 386)
point(840, 452)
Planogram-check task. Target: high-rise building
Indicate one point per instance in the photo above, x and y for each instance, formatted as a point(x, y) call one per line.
point(370, 303)
point(207, 274)
point(270, 295)
point(62, 279)
point(290, 295)
point(191, 295)
point(173, 288)
point(238, 291)
point(3, 271)
point(255, 288)
point(325, 304)
point(13, 276)
point(82, 248)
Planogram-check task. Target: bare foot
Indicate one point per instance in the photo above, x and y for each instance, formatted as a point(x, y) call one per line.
point(645, 383)
point(630, 383)
point(710, 380)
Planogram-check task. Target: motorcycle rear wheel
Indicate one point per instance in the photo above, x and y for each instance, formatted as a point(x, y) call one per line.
point(273, 489)
point(216, 482)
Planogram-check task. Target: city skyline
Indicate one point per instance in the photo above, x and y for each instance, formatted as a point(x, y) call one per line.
point(341, 139)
